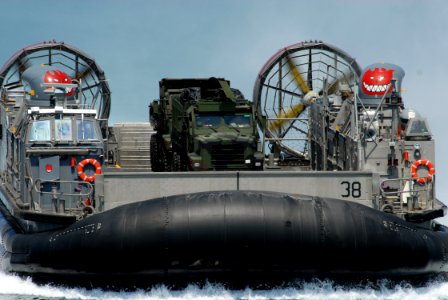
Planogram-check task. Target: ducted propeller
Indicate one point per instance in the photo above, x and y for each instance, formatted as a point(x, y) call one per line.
point(292, 79)
point(296, 110)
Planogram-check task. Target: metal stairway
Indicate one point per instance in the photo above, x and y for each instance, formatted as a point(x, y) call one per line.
point(133, 145)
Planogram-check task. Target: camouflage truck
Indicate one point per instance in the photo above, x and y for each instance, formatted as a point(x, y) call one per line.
point(203, 124)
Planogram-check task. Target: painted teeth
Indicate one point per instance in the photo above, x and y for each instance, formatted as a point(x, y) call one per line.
point(375, 88)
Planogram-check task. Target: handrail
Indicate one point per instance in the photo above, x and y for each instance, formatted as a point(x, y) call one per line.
point(424, 194)
point(88, 184)
point(82, 190)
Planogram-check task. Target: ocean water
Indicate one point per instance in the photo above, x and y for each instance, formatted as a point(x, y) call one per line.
point(15, 288)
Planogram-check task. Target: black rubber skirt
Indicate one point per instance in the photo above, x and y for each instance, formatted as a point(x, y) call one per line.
point(230, 232)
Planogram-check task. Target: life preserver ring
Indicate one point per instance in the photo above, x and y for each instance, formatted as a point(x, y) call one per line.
point(426, 163)
point(85, 162)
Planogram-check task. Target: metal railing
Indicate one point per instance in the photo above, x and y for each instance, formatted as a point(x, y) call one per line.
point(62, 197)
point(411, 199)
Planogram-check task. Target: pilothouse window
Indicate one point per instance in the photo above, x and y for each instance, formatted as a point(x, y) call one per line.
point(418, 127)
point(63, 130)
point(40, 131)
point(86, 130)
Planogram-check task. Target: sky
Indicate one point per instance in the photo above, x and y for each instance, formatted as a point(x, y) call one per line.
point(137, 43)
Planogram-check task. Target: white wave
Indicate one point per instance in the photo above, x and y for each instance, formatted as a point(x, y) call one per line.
point(12, 285)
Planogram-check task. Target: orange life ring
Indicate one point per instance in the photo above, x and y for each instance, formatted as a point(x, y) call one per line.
point(85, 162)
point(426, 163)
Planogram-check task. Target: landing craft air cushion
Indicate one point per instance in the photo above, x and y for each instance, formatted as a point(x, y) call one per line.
point(348, 185)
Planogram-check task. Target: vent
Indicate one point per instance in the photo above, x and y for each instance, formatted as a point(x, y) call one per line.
point(229, 156)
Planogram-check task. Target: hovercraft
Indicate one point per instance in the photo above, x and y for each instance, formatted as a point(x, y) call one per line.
point(347, 186)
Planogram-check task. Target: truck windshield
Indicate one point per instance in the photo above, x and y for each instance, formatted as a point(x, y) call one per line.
point(205, 121)
point(240, 121)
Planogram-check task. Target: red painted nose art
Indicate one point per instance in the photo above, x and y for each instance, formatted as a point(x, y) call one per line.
point(374, 82)
point(57, 76)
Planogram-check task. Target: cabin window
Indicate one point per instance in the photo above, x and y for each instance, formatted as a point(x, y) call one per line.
point(40, 131)
point(240, 121)
point(86, 130)
point(417, 128)
point(208, 121)
point(63, 130)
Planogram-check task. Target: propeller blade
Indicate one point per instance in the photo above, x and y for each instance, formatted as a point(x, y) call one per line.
point(334, 86)
point(297, 76)
point(82, 69)
point(81, 74)
point(298, 108)
point(293, 112)
point(23, 64)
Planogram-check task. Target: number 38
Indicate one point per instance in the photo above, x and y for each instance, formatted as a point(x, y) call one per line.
point(352, 189)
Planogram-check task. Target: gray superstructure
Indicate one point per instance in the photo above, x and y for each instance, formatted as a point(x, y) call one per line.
point(54, 108)
point(319, 110)
point(325, 138)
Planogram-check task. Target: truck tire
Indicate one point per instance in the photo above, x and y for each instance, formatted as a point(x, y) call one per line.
point(160, 160)
point(155, 154)
point(176, 162)
point(165, 160)
point(179, 162)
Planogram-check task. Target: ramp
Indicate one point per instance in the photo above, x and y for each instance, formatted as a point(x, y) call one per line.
point(133, 145)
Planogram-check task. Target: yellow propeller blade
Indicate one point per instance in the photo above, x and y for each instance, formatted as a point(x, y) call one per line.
point(293, 112)
point(297, 77)
point(298, 108)
point(334, 86)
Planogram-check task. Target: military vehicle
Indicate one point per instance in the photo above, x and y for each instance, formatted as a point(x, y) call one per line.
point(203, 124)
point(348, 189)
